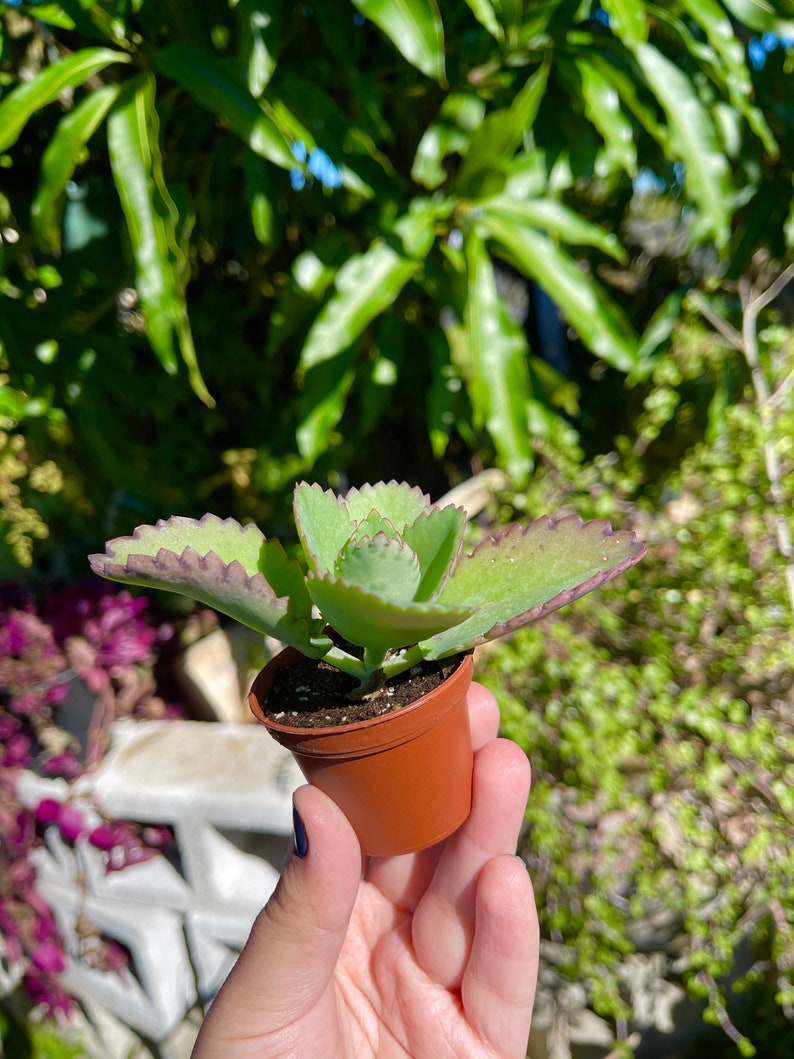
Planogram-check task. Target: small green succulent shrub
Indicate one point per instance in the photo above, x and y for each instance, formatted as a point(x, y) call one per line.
point(384, 569)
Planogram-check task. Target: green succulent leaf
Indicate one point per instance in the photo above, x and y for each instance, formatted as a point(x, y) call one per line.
point(222, 564)
point(436, 537)
point(528, 572)
point(401, 504)
point(374, 524)
point(323, 524)
point(379, 624)
point(381, 565)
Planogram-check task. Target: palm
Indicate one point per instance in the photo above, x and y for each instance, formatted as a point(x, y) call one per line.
point(437, 958)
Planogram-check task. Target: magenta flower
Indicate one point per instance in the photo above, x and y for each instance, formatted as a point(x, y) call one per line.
point(48, 811)
point(47, 957)
point(70, 821)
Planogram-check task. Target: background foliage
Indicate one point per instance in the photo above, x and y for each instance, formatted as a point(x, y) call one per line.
point(351, 231)
point(244, 242)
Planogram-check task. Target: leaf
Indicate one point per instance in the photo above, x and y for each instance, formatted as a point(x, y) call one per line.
point(626, 87)
point(219, 563)
point(553, 217)
point(152, 220)
point(599, 321)
point(322, 404)
point(414, 27)
point(381, 565)
point(484, 13)
point(365, 285)
point(449, 133)
point(628, 19)
point(398, 502)
point(761, 15)
point(499, 384)
point(209, 82)
point(711, 17)
point(323, 523)
point(693, 140)
point(368, 620)
point(61, 158)
point(527, 573)
point(260, 34)
point(602, 108)
point(500, 135)
point(436, 537)
point(21, 103)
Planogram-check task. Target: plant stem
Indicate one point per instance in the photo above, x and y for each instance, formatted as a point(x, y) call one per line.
point(347, 663)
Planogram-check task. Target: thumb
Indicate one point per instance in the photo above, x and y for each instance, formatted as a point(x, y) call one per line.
point(290, 956)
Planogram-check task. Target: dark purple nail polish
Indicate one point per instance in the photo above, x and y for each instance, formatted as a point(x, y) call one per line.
point(300, 840)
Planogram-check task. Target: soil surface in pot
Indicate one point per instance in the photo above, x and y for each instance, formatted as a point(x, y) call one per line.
point(314, 694)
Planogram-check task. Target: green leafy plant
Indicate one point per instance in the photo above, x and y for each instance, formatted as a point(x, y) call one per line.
point(386, 571)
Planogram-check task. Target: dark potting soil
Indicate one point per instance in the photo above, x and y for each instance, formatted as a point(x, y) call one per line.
point(314, 694)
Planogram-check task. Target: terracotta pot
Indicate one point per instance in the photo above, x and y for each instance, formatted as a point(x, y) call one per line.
point(403, 780)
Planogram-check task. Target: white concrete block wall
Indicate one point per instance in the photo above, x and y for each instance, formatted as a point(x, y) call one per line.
point(226, 791)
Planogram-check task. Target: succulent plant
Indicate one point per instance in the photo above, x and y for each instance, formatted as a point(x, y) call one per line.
point(384, 569)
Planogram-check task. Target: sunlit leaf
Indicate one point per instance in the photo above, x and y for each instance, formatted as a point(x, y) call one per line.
point(628, 19)
point(61, 158)
point(558, 220)
point(260, 35)
point(366, 285)
point(414, 27)
point(221, 563)
point(460, 114)
point(208, 80)
point(152, 222)
point(483, 11)
point(367, 619)
point(23, 101)
point(528, 572)
point(599, 321)
point(500, 134)
point(693, 140)
point(499, 384)
point(603, 109)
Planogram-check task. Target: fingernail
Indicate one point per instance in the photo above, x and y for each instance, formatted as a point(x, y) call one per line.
point(301, 841)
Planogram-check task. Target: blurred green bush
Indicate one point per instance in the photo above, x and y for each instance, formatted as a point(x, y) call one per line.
point(358, 239)
point(658, 713)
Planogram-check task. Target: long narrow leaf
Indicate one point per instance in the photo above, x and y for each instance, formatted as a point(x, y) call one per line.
point(761, 15)
point(20, 104)
point(60, 159)
point(484, 12)
point(499, 386)
point(365, 285)
point(208, 80)
point(628, 19)
point(599, 321)
point(152, 219)
point(414, 27)
point(693, 140)
point(603, 110)
point(260, 37)
point(735, 79)
point(556, 219)
point(501, 133)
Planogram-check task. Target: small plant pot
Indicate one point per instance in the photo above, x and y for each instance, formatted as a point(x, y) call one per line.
point(403, 779)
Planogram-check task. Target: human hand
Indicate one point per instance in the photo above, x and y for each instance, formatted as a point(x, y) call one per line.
point(428, 955)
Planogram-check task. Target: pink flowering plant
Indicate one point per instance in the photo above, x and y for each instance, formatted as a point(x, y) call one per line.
point(108, 641)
